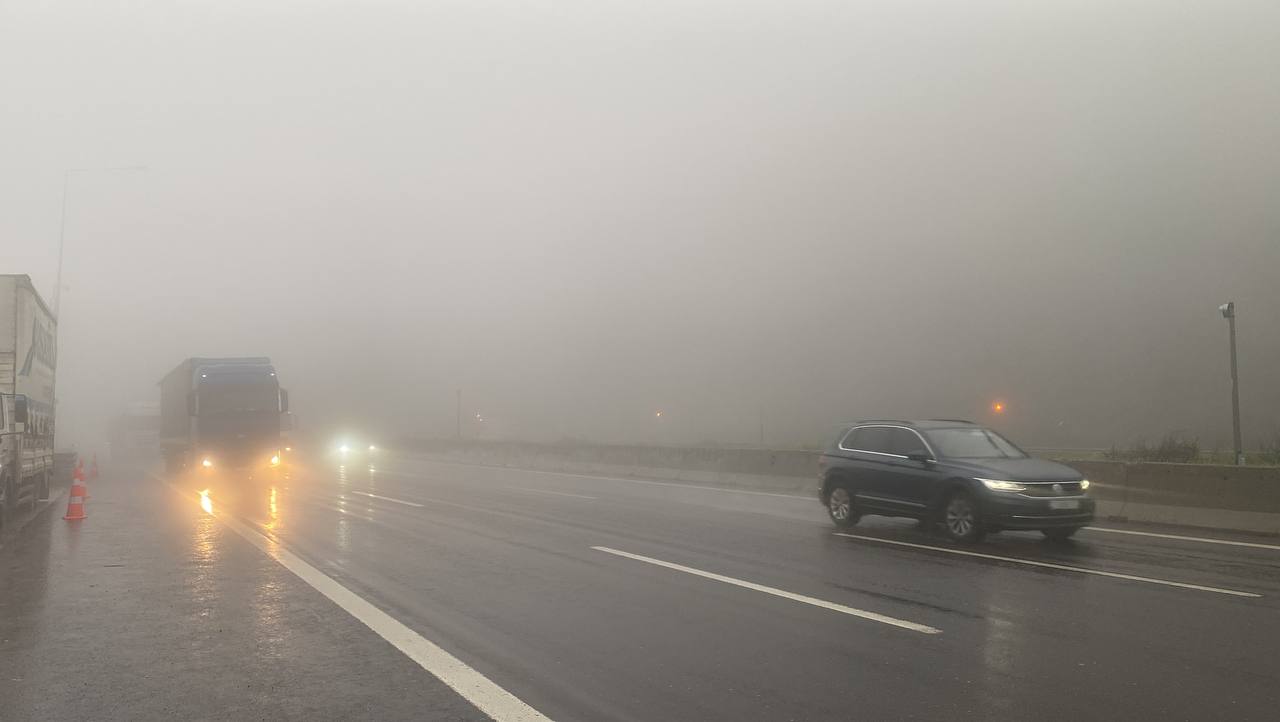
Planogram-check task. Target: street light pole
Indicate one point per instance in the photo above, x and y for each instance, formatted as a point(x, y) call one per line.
point(62, 225)
point(62, 241)
point(1229, 312)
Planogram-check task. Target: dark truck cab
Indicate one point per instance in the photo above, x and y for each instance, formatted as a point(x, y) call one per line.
point(222, 414)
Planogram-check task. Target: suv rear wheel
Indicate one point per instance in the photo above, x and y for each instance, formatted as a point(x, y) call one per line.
point(840, 507)
point(961, 519)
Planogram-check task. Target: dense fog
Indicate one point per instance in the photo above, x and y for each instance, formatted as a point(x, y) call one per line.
point(675, 222)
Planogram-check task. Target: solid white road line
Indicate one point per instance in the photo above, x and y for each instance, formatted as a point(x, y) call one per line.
point(387, 498)
point(1179, 537)
point(1050, 565)
point(547, 491)
point(474, 687)
point(892, 621)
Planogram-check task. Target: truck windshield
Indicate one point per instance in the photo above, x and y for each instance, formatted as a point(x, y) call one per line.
point(222, 399)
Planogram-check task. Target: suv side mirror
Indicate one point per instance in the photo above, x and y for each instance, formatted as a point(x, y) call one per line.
point(20, 409)
point(920, 456)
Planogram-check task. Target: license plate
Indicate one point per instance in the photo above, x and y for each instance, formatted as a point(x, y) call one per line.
point(1064, 504)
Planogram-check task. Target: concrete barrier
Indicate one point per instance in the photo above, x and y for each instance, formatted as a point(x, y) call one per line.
point(1200, 495)
point(786, 471)
point(1243, 498)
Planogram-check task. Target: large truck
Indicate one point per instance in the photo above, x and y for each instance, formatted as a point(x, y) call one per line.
point(28, 358)
point(221, 414)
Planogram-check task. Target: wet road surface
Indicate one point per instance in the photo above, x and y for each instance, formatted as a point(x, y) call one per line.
point(591, 598)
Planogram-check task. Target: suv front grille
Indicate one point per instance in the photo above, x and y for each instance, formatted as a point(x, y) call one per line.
point(1059, 488)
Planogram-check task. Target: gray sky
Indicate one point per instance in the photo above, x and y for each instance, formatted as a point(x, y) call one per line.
point(583, 212)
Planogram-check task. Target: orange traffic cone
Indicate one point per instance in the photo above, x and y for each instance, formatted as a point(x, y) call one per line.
point(93, 467)
point(75, 500)
point(77, 474)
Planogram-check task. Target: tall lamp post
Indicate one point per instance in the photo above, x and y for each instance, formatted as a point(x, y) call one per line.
point(62, 226)
point(1229, 312)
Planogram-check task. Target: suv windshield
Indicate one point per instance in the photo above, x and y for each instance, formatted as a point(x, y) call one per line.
point(975, 443)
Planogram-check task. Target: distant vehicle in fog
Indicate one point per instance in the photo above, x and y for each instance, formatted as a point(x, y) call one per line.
point(353, 449)
point(968, 478)
point(28, 358)
point(222, 414)
point(135, 434)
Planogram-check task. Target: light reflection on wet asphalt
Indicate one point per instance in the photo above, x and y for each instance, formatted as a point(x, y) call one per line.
point(502, 570)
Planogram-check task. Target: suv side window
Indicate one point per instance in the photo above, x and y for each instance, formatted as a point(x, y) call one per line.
point(870, 438)
point(904, 443)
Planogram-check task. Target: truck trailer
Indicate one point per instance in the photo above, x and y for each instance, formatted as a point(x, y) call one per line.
point(28, 358)
point(222, 414)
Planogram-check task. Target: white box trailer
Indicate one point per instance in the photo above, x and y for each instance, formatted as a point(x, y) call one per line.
point(28, 358)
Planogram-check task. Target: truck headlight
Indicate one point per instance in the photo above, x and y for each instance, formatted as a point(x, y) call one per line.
point(1002, 485)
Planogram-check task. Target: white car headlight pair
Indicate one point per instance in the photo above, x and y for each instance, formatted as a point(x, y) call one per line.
point(1002, 485)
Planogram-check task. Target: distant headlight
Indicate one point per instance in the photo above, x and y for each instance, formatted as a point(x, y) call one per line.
point(1001, 485)
point(1084, 484)
point(207, 463)
point(372, 447)
point(275, 460)
point(344, 448)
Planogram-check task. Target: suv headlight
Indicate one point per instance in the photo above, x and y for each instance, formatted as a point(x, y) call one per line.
point(1001, 485)
point(1084, 484)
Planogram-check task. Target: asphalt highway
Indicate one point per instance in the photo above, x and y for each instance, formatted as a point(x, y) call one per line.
point(399, 587)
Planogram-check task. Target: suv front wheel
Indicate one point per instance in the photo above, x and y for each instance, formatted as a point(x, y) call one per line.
point(840, 507)
point(961, 519)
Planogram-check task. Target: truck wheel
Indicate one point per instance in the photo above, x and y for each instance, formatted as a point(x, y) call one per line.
point(8, 500)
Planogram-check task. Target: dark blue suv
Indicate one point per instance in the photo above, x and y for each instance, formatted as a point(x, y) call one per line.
point(967, 477)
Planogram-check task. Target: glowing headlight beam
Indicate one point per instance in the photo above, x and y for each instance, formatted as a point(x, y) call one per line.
point(1002, 485)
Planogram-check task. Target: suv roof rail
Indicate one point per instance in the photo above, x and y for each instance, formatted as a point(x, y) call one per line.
point(899, 422)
